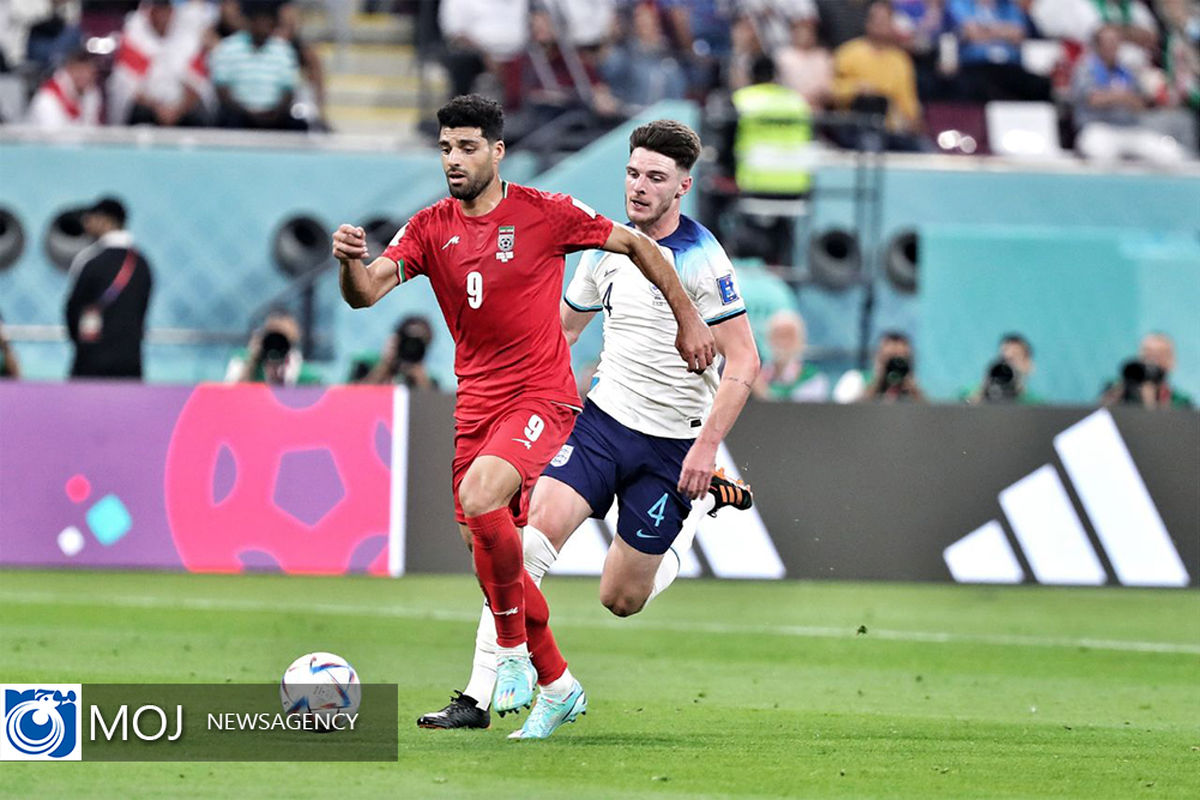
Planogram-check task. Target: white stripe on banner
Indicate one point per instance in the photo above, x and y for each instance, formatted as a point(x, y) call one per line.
point(1048, 530)
point(1115, 497)
point(398, 513)
point(983, 556)
point(736, 543)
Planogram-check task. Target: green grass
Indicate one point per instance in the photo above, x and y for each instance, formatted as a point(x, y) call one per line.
point(718, 689)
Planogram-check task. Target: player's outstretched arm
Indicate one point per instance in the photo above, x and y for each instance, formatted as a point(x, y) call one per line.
point(362, 284)
point(694, 341)
point(736, 342)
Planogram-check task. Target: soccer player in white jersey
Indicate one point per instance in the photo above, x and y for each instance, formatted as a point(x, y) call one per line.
point(649, 432)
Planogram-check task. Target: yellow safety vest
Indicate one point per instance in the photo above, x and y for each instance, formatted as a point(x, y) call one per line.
point(773, 143)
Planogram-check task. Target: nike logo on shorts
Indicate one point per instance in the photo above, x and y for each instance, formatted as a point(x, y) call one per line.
point(641, 535)
point(508, 613)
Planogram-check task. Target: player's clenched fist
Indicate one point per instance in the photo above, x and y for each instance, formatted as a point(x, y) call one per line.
point(695, 344)
point(349, 243)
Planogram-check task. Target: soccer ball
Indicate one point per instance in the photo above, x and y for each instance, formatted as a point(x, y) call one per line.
point(321, 684)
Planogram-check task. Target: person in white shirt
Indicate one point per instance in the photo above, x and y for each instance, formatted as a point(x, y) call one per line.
point(649, 432)
point(69, 99)
point(159, 76)
point(481, 35)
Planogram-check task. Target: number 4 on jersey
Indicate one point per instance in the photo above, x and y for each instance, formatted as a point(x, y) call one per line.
point(607, 301)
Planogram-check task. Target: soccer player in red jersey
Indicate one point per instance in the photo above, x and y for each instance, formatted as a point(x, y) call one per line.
point(494, 253)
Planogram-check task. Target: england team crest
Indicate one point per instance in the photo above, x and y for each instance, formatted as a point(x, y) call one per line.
point(504, 243)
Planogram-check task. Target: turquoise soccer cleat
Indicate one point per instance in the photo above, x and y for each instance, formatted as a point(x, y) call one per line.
point(515, 679)
point(548, 715)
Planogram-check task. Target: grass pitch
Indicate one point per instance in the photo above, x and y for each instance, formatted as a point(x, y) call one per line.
point(718, 689)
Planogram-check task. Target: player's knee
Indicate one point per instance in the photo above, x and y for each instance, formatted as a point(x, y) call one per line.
point(477, 498)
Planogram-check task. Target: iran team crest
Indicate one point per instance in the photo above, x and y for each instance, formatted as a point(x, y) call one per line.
point(504, 242)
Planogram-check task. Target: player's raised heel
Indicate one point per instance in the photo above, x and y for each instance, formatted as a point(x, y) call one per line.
point(729, 492)
point(549, 715)
point(462, 712)
point(515, 679)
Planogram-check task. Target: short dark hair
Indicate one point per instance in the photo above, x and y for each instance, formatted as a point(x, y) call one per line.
point(109, 207)
point(1017, 339)
point(670, 138)
point(473, 111)
point(895, 336)
point(260, 8)
point(763, 69)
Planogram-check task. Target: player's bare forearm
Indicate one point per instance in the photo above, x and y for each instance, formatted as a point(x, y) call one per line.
point(736, 342)
point(742, 365)
point(362, 285)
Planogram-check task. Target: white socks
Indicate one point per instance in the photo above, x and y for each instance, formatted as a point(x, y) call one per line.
point(668, 568)
point(560, 687)
point(540, 555)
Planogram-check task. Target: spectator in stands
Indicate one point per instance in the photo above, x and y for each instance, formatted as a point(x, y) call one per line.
point(1109, 107)
point(1007, 377)
point(785, 376)
point(891, 379)
point(256, 73)
point(110, 291)
point(1181, 60)
point(159, 76)
point(402, 359)
point(773, 19)
point(70, 98)
point(1145, 380)
point(230, 20)
point(842, 20)
point(805, 65)
point(745, 49)
point(553, 80)
point(10, 367)
point(873, 75)
point(990, 33)
point(311, 94)
point(921, 29)
point(768, 144)
point(273, 355)
point(53, 33)
point(481, 36)
point(640, 67)
point(702, 32)
point(1077, 21)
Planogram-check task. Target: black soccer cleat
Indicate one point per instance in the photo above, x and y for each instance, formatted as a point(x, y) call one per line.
point(729, 492)
point(461, 713)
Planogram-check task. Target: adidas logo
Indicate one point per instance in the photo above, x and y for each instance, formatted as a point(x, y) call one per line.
point(1050, 530)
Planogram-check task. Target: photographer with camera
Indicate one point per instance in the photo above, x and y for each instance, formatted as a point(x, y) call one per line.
point(402, 359)
point(1007, 377)
point(891, 380)
point(1144, 380)
point(273, 355)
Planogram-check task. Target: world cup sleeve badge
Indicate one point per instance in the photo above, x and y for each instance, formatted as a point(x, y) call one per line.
point(504, 243)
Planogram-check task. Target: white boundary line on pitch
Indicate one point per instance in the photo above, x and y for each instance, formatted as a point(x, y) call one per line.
point(402, 612)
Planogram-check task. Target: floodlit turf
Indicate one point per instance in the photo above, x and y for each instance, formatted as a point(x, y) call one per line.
point(718, 689)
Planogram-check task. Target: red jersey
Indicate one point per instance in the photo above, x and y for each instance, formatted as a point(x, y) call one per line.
point(498, 279)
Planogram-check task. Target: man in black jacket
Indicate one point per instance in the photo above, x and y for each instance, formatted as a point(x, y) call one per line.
point(106, 310)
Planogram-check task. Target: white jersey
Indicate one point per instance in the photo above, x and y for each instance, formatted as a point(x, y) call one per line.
point(642, 382)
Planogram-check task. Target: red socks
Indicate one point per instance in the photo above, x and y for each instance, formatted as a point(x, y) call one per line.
point(500, 566)
point(547, 660)
point(517, 604)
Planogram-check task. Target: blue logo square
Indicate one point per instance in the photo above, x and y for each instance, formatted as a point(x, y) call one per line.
point(41, 723)
point(728, 291)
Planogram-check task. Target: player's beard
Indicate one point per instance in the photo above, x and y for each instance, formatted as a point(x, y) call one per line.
point(472, 188)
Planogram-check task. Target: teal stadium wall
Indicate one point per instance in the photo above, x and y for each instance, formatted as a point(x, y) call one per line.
point(205, 217)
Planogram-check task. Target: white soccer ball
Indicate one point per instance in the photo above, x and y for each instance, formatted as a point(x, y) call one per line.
point(320, 684)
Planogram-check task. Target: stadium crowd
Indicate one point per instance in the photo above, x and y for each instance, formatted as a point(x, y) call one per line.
point(1121, 76)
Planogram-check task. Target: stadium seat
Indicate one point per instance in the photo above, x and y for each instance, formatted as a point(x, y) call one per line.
point(950, 125)
point(1023, 130)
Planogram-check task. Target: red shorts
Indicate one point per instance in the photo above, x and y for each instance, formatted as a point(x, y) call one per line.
point(526, 434)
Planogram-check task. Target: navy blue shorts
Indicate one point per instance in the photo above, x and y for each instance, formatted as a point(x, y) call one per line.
point(603, 460)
